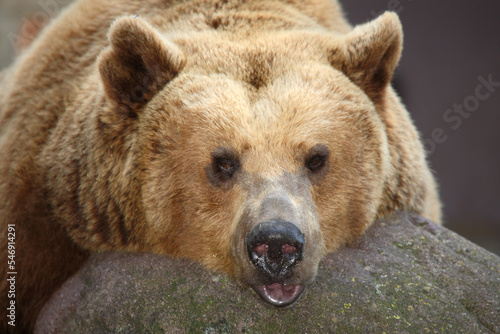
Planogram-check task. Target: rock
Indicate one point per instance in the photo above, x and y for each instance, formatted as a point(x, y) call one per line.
point(405, 275)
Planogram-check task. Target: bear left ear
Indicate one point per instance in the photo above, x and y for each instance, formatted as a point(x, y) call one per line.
point(138, 63)
point(369, 54)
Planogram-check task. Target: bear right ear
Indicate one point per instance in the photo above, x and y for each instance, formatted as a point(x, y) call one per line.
point(138, 63)
point(369, 54)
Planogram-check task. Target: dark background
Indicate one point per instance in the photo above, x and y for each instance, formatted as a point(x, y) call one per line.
point(448, 46)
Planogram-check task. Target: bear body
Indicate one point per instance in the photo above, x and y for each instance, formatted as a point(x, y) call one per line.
point(253, 137)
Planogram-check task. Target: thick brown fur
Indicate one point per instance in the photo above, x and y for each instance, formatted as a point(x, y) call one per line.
point(109, 124)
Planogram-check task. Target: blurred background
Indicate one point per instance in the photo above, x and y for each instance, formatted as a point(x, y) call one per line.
point(448, 77)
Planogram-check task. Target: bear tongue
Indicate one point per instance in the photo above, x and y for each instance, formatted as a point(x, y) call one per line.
point(279, 294)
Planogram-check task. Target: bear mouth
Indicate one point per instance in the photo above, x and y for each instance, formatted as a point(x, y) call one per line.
point(279, 294)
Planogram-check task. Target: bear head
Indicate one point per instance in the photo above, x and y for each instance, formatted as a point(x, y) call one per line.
point(257, 153)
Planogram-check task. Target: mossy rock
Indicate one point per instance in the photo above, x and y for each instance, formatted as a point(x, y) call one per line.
point(406, 275)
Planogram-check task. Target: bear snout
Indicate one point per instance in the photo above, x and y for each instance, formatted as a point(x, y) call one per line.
point(277, 242)
point(274, 248)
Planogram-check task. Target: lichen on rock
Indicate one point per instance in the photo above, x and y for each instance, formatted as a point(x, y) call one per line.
point(405, 275)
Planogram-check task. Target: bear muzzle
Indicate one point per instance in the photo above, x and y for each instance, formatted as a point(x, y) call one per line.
point(275, 248)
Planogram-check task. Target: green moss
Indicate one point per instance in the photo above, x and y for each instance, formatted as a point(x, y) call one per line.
point(402, 290)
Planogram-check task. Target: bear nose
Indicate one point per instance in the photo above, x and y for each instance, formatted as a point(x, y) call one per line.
point(275, 247)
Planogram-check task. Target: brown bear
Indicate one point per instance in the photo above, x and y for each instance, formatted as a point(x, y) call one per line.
point(251, 136)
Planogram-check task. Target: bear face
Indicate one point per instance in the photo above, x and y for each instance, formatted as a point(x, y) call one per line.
point(247, 151)
point(260, 161)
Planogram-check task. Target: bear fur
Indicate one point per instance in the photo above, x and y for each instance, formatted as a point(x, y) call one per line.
point(178, 127)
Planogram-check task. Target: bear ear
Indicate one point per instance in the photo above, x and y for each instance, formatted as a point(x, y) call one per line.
point(138, 63)
point(369, 54)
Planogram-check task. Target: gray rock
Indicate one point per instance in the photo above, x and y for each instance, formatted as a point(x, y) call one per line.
point(406, 275)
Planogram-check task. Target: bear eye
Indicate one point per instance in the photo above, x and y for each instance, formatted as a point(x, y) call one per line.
point(317, 159)
point(224, 166)
point(315, 163)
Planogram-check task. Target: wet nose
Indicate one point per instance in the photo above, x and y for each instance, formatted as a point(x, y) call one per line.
point(274, 247)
